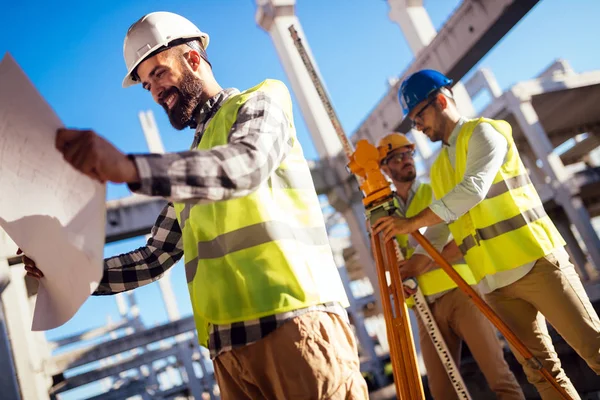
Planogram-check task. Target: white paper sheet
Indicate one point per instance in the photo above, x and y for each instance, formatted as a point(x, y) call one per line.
point(55, 214)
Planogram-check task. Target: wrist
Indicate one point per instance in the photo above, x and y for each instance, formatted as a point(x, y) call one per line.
point(132, 174)
point(413, 223)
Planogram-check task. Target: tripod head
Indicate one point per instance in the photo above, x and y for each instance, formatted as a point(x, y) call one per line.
point(364, 163)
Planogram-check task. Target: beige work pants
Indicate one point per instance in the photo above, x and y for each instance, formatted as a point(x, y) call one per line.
point(555, 292)
point(313, 356)
point(459, 319)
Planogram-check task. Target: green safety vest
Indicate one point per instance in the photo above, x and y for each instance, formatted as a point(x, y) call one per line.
point(437, 280)
point(262, 254)
point(509, 227)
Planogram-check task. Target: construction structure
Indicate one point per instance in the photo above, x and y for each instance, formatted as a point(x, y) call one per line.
point(560, 149)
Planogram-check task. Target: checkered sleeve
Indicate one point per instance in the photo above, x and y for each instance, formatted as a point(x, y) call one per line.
point(148, 263)
point(259, 140)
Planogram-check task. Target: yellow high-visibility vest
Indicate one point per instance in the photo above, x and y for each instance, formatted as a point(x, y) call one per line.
point(262, 254)
point(437, 280)
point(510, 227)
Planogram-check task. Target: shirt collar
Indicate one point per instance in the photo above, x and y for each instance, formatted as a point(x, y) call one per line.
point(211, 106)
point(411, 192)
point(415, 186)
point(454, 135)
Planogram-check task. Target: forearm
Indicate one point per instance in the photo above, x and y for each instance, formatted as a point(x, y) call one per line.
point(134, 269)
point(452, 253)
point(146, 264)
point(425, 218)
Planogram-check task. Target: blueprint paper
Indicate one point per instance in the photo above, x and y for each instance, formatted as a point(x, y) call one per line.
point(55, 214)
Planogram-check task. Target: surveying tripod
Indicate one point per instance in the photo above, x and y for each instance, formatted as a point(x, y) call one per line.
point(378, 202)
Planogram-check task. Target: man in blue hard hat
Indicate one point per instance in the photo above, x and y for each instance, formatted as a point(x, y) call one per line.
point(496, 217)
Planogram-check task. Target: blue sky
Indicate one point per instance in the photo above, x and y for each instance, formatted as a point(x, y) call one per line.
point(72, 51)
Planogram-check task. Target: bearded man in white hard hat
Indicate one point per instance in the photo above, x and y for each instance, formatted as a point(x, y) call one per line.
point(243, 212)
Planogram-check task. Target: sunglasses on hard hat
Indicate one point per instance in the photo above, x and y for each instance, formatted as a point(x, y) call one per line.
point(399, 157)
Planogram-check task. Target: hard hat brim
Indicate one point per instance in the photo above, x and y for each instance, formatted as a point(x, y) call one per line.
point(129, 81)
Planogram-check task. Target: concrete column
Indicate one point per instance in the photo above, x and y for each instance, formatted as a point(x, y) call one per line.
point(552, 165)
point(151, 132)
point(122, 305)
point(414, 22)
point(28, 361)
point(483, 79)
point(463, 100)
point(29, 349)
point(275, 17)
point(9, 386)
point(166, 289)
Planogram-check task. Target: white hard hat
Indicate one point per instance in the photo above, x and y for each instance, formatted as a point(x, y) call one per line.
point(152, 32)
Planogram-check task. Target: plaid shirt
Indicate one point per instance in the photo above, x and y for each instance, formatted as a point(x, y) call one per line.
point(259, 140)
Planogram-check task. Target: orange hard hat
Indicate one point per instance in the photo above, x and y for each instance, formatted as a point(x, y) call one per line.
point(392, 142)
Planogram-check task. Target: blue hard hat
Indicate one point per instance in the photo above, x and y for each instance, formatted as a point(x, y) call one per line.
point(419, 86)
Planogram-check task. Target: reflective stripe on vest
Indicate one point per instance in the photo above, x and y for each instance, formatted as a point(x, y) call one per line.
point(509, 228)
point(437, 280)
point(264, 253)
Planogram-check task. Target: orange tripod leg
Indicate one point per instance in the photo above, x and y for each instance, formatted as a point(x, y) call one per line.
point(407, 379)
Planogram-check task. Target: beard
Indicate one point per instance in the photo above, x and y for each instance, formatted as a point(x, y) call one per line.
point(433, 135)
point(188, 97)
point(406, 174)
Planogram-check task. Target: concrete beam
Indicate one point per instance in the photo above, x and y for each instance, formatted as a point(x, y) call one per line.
point(90, 354)
point(129, 217)
point(580, 149)
point(525, 90)
point(475, 27)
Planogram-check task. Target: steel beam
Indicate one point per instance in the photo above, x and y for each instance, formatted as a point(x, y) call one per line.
point(132, 362)
point(90, 354)
point(88, 334)
point(130, 389)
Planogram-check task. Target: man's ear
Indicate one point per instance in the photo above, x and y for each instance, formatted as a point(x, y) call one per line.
point(442, 100)
point(193, 59)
